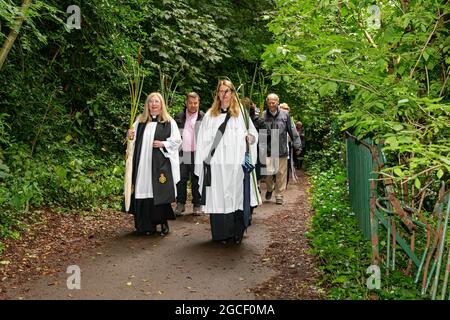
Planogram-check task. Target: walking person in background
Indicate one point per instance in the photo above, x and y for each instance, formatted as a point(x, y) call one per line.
point(156, 168)
point(301, 133)
point(291, 155)
point(221, 151)
point(278, 125)
point(188, 122)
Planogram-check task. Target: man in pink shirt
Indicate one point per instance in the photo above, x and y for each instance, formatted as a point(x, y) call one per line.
point(188, 122)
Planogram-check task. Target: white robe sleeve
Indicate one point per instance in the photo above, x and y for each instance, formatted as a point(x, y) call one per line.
point(202, 148)
point(253, 147)
point(172, 145)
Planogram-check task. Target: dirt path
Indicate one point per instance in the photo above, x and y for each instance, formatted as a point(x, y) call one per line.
point(271, 263)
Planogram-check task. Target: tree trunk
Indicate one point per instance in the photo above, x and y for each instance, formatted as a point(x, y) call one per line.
point(14, 32)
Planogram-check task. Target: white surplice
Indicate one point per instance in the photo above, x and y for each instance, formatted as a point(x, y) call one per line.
point(143, 185)
point(226, 193)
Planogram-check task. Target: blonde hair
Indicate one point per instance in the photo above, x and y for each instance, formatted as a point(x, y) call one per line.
point(285, 106)
point(164, 116)
point(234, 104)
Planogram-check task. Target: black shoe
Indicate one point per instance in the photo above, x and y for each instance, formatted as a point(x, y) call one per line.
point(268, 195)
point(164, 228)
point(144, 233)
point(238, 239)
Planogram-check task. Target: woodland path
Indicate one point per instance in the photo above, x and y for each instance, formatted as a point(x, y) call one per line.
point(271, 263)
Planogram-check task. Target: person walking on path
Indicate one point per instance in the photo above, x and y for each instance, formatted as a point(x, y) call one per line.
point(301, 133)
point(291, 155)
point(222, 143)
point(278, 126)
point(156, 168)
point(188, 122)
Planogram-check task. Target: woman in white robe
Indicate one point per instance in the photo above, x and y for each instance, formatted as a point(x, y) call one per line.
point(156, 169)
point(223, 199)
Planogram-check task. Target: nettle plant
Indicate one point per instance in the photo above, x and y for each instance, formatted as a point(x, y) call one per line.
point(390, 59)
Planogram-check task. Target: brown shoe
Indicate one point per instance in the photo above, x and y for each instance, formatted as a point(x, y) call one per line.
point(197, 210)
point(179, 209)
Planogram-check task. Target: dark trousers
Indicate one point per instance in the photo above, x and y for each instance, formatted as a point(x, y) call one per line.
point(186, 174)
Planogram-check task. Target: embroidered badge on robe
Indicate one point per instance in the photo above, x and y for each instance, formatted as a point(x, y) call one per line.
point(162, 178)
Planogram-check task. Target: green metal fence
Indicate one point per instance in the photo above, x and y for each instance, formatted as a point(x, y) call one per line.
point(360, 168)
point(376, 205)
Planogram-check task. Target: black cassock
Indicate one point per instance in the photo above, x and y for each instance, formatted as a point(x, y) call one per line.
point(157, 210)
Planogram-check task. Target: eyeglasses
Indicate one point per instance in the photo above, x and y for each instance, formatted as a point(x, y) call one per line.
point(154, 102)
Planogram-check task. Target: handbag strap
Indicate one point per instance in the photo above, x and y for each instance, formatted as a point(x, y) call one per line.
point(218, 136)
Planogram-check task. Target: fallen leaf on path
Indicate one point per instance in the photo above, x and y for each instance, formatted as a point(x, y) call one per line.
point(129, 283)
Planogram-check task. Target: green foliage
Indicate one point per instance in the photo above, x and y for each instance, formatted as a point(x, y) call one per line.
point(64, 98)
point(385, 80)
point(63, 178)
point(343, 251)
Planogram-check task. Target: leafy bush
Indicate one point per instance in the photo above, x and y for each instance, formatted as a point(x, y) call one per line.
point(63, 177)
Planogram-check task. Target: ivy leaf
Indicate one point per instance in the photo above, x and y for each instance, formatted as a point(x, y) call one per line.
point(398, 172)
point(276, 80)
point(392, 141)
point(327, 88)
point(417, 183)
